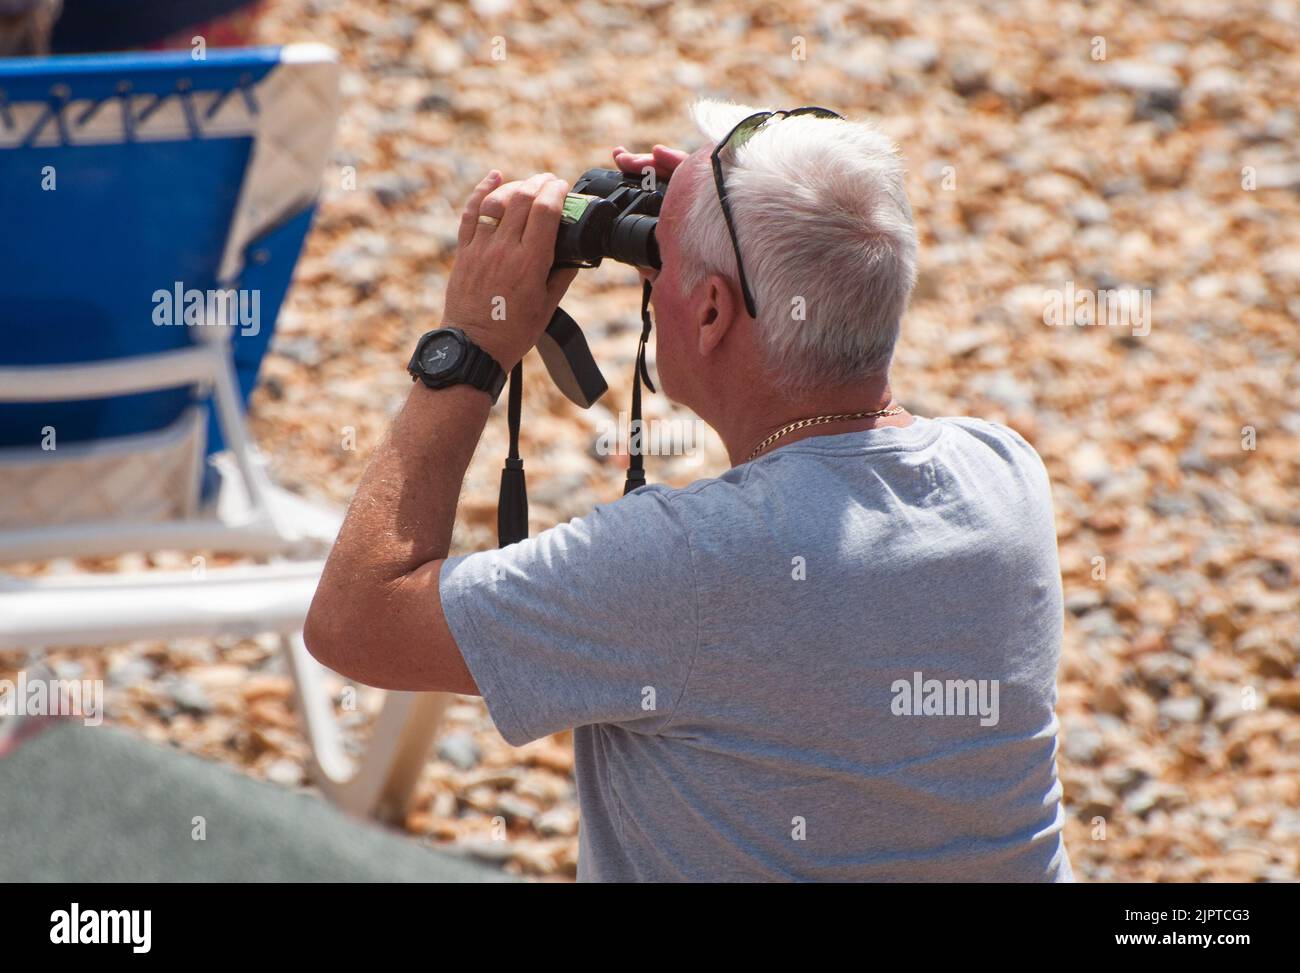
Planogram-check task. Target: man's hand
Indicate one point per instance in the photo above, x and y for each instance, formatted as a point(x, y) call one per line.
point(661, 159)
point(502, 292)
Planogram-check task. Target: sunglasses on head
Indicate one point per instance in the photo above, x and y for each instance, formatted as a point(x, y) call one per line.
point(737, 137)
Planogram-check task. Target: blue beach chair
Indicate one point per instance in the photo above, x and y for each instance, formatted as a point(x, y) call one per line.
point(153, 208)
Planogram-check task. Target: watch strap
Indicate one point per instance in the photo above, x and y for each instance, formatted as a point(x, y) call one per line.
point(483, 372)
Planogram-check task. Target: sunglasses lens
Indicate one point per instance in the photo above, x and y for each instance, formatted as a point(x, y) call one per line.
point(817, 112)
point(745, 131)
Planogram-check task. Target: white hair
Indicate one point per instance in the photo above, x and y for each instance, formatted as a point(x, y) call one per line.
point(826, 234)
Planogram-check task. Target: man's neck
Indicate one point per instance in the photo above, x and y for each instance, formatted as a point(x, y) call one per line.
point(753, 421)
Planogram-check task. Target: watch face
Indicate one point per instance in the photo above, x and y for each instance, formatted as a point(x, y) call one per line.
point(441, 355)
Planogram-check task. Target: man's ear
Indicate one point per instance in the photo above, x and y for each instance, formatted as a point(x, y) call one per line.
point(717, 313)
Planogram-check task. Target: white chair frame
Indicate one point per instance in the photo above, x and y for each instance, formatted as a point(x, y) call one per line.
point(253, 517)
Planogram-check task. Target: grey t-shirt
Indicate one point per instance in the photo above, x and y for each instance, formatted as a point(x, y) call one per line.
point(837, 662)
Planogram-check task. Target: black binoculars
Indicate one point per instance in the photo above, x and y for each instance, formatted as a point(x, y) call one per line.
point(610, 214)
point(607, 214)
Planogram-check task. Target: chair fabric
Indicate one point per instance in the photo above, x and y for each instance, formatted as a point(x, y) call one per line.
point(147, 477)
point(124, 177)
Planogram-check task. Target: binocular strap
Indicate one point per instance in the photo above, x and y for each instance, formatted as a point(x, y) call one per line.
point(635, 463)
point(512, 504)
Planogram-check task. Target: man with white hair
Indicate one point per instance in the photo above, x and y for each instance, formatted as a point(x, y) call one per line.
point(834, 661)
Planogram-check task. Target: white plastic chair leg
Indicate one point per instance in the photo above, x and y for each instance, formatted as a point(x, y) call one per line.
point(382, 784)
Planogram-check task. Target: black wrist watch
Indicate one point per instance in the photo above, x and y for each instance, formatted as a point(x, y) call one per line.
point(446, 357)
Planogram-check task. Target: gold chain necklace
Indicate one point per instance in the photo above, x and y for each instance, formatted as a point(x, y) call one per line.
point(819, 420)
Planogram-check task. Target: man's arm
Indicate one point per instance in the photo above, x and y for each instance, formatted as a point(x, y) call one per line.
point(377, 616)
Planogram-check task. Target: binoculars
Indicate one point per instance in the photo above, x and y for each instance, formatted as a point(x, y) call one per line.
point(607, 214)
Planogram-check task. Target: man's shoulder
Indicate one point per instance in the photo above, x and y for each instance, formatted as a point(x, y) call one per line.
point(696, 498)
point(995, 435)
point(995, 442)
point(740, 495)
point(683, 515)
